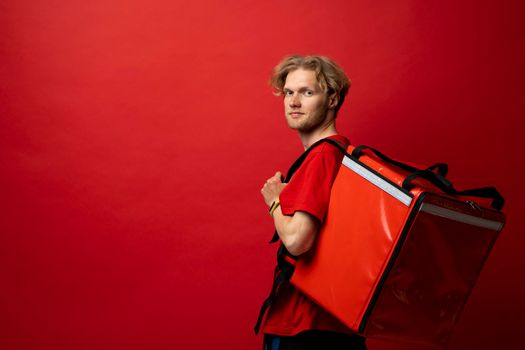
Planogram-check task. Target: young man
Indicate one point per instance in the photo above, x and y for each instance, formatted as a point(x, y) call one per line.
point(314, 88)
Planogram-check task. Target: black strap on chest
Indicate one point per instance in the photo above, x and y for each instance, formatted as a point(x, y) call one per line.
point(282, 272)
point(286, 261)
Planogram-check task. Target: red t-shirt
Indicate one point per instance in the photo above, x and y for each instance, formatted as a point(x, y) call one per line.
point(309, 191)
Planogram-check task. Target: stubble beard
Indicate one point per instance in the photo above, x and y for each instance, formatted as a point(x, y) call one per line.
point(308, 124)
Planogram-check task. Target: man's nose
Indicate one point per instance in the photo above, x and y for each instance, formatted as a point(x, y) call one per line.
point(295, 100)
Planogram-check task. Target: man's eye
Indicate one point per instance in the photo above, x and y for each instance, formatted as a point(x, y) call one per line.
point(308, 93)
point(288, 93)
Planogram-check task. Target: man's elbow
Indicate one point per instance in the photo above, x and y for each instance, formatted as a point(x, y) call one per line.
point(298, 244)
point(298, 249)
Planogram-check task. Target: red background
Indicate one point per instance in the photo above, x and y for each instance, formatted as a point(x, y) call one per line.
point(135, 136)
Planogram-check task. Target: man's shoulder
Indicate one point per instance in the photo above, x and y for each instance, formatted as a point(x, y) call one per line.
point(330, 149)
point(326, 155)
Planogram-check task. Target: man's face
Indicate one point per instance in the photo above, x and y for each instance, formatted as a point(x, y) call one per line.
point(305, 103)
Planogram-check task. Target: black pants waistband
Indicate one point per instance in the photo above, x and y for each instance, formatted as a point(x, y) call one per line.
point(315, 340)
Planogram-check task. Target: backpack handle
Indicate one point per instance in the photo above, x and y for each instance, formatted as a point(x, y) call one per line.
point(441, 168)
point(446, 186)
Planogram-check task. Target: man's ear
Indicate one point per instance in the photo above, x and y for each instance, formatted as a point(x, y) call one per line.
point(333, 100)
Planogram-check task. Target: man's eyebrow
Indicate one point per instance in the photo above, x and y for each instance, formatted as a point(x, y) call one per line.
point(302, 88)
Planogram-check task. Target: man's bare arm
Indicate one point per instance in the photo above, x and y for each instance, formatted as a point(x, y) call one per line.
point(297, 232)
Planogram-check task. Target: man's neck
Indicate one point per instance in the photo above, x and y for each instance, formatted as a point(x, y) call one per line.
point(310, 138)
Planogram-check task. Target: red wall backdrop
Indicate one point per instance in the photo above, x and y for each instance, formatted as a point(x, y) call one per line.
point(135, 136)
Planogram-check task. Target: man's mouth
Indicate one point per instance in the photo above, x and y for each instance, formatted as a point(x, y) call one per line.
point(296, 114)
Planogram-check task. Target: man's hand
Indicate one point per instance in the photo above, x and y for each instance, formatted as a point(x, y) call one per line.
point(272, 188)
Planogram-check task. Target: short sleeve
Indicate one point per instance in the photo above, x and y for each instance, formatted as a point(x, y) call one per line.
point(309, 188)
